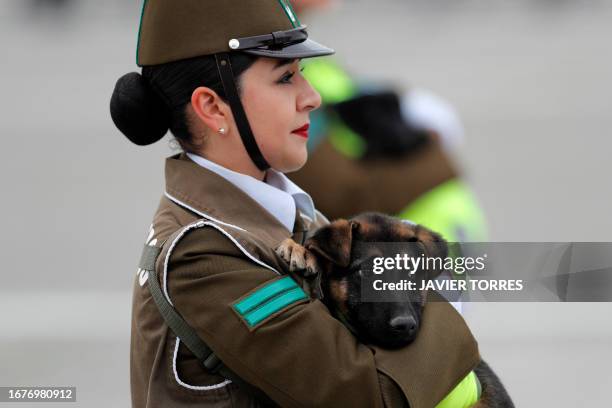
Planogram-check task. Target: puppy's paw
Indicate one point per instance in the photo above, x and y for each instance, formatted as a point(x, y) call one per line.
point(285, 249)
point(299, 258)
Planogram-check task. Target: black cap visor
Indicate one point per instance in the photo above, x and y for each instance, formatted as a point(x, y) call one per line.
point(292, 43)
point(305, 49)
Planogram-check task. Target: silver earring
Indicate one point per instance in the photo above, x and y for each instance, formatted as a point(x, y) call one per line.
point(222, 131)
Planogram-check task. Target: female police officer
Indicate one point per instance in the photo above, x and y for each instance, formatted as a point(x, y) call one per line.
point(215, 322)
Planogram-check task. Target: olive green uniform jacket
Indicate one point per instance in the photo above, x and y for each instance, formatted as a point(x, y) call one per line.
point(217, 249)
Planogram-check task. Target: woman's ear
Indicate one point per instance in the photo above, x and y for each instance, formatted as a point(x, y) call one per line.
point(210, 109)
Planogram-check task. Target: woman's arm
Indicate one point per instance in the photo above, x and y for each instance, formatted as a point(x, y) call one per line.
point(300, 355)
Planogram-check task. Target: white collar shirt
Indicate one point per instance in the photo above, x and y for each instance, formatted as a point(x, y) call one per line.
point(278, 195)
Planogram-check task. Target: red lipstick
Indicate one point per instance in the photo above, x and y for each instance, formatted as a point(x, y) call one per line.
point(303, 131)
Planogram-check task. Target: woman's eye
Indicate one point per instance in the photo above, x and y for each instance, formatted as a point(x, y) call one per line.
point(286, 79)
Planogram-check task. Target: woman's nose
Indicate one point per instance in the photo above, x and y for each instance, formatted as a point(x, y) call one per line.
point(309, 99)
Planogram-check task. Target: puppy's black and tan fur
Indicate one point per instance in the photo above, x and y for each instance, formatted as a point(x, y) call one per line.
point(333, 256)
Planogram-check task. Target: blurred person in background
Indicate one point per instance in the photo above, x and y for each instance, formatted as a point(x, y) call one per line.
point(375, 149)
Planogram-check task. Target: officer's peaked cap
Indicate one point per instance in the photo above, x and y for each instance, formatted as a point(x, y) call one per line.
point(172, 30)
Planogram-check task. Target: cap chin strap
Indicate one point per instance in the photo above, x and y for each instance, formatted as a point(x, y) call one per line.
point(246, 134)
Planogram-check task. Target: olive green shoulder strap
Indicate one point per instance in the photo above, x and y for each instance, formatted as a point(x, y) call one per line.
point(177, 324)
point(186, 333)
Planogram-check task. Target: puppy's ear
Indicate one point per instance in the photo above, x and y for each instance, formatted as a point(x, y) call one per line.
point(334, 242)
point(433, 244)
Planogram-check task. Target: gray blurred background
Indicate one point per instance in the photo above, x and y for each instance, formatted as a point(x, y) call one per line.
point(530, 79)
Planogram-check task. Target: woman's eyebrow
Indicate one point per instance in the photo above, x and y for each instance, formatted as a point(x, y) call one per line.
point(284, 61)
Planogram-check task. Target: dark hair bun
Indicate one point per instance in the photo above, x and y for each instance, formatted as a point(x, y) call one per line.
point(137, 111)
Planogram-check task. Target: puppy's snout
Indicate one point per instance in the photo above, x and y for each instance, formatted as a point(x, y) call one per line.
point(406, 324)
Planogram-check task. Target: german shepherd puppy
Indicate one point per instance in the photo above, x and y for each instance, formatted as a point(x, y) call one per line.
point(332, 260)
